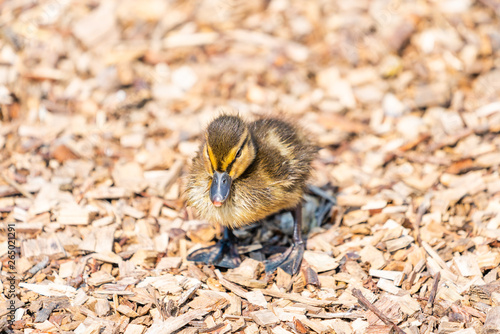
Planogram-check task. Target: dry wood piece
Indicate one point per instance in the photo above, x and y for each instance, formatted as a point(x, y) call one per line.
point(15, 185)
point(100, 277)
point(50, 246)
point(484, 293)
point(467, 265)
point(492, 322)
point(188, 293)
point(390, 306)
point(173, 324)
point(298, 298)
point(280, 330)
point(207, 299)
point(373, 256)
point(316, 326)
point(241, 280)
point(234, 308)
point(396, 244)
point(247, 273)
point(366, 304)
point(432, 95)
point(422, 208)
point(102, 307)
point(252, 329)
point(388, 286)
point(144, 258)
point(50, 290)
point(108, 193)
point(283, 279)
point(231, 286)
point(387, 274)
point(167, 263)
point(126, 310)
point(320, 262)
point(23, 265)
point(344, 315)
point(49, 306)
point(339, 326)
point(73, 215)
point(112, 292)
point(256, 297)
point(432, 296)
point(39, 266)
point(135, 329)
point(264, 318)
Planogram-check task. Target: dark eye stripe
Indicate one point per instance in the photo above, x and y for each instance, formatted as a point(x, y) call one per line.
point(228, 169)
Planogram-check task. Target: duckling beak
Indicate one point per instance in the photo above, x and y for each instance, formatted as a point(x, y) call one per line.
point(220, 188)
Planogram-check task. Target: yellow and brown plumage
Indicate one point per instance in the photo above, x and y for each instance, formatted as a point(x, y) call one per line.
point(261, 166)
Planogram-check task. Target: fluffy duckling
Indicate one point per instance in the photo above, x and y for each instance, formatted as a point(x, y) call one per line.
point(244, 172)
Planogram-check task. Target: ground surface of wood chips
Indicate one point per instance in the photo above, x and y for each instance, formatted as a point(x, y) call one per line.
point(102, 107)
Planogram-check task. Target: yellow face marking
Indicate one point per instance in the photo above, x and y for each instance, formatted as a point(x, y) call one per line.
point(211, 157)
point(232, 153)
point(229, 158)
point(206, 160)
point(246, 158)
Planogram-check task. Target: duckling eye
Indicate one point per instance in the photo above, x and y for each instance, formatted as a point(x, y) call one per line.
point(238, 154)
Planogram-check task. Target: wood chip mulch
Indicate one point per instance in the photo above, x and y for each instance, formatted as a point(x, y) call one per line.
point(102, 107)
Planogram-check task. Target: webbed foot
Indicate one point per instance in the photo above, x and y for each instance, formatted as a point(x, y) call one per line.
point(289, 261)
point(223, 254)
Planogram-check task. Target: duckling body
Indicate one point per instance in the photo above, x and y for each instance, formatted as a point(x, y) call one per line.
point(245, 172)
point(275, 180)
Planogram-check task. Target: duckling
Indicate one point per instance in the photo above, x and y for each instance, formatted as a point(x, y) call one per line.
point(244, 172)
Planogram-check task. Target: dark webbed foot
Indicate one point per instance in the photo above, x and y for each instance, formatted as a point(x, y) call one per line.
point(223, 254)
point(291, 259)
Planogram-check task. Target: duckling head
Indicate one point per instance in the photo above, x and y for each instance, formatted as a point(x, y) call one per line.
point(228, 151)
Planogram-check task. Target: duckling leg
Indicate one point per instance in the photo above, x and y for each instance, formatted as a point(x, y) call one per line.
point(223, 254)
point(291, 259)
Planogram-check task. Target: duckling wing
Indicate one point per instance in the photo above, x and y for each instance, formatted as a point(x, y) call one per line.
point(282, 166)
point(284, 151)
